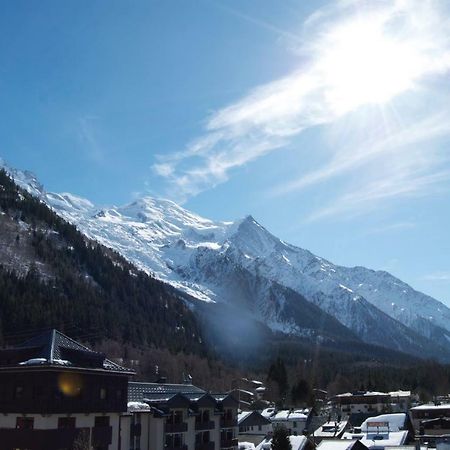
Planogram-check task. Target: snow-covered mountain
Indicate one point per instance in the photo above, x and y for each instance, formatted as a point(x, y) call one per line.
point(242, 264)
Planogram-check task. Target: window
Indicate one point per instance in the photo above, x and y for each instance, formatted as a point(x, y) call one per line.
point(175, 417)
point(294, 424)
point(174, 440)
point(18, 392)
point(66, 422)
point(25, 423)
point(102, 393)
point(202, 437)
point(102, 421)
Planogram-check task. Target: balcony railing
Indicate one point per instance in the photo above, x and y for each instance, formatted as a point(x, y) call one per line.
point(176, 427)
point(208, 425)
point(228, 423)
point(36, 438)
point(228, 443)
point(205, 446)
point(181, 447)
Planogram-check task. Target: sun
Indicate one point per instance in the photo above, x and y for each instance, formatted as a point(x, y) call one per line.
point(360, 63)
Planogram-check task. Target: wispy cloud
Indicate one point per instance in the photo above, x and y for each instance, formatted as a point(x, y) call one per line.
point(356, 54)
point(438, 276)
point(391, 227)
point(88, 137)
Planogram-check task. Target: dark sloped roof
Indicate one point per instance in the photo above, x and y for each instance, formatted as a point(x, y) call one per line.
point(55, 348)
point(137, 392)
point(252, 419)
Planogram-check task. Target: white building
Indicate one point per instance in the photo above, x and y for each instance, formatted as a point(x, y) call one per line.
point(362, 402)
point(295, 421)
point(254, 423)
point(179, 417)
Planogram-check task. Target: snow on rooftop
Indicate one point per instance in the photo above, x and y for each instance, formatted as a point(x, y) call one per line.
point(138, 406)
point(332, 428)
point(268, 412)
point(431, 406)
point(297, 443)
point(287, 414)
point(246, 446)
point(400, 394)
point(336, 444)
point(396, 422)
point(381, 440)
point(243, 415)
point(33, 362)
point(362, 394)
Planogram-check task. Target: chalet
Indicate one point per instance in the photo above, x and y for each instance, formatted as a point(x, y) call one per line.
point(180, 417)
point(432, 424)
point(401, 400)
point(426, 412)
point(386, 430)
point(253, 427)
point(55, 392)
point(253, 422)
point(362, 402)
point(295, 420)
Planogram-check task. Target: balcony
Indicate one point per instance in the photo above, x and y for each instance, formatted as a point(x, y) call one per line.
point(205, 446)
point(101, 436)
point(228, 443)
point(176, 427)
point(202, 426)
point(37, 439)
point(228, 423)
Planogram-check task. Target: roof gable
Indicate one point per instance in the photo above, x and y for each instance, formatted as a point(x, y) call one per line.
point(53, 348)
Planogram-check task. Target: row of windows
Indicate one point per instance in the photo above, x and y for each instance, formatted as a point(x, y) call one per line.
point(177, 416)
point(27, 423)
point(39, 393)
point(251, 428)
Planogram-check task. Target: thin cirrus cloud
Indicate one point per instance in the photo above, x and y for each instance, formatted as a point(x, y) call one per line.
point(358, 54)
point(438, 276)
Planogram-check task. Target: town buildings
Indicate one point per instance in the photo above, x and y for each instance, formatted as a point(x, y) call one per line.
point(56, 394)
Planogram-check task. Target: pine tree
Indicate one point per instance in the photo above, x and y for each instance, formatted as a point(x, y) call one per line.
point(280, 439)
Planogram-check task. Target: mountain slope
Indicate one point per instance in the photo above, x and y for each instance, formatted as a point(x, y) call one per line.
point(51, 275)
point(242, 264)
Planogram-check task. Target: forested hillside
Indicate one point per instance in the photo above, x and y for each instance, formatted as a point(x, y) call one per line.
point(53, 276)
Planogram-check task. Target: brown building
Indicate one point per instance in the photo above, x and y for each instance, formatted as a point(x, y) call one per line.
point(55, 392)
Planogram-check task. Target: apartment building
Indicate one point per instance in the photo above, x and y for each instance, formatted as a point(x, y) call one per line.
point(179, 417)
point(55, 392)
point(362, 402)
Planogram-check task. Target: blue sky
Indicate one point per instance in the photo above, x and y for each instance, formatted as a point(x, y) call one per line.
point(328, 122)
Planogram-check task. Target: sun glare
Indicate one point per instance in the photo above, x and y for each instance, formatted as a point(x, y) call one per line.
point(361, 64)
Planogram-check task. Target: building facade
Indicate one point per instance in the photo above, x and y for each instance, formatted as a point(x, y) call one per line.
point(180, 417)
point(55, 392)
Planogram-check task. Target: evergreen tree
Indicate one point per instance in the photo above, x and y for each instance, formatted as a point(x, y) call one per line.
point(280, 439)
point(278, 374)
